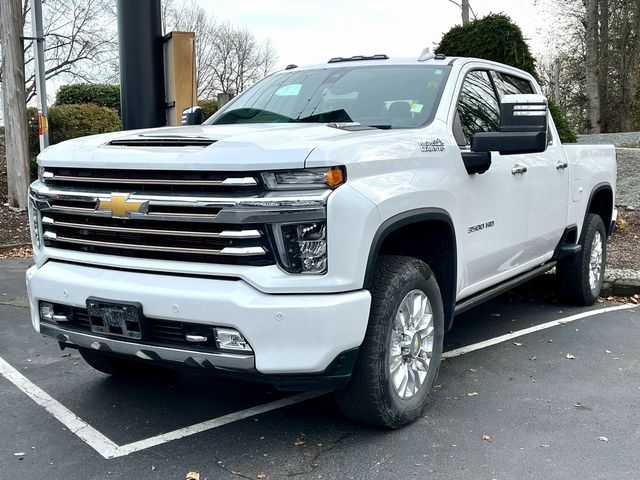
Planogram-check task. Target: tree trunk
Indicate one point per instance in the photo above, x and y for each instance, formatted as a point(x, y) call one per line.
point(603, 77)
point(465, 12)
point(13, 95)
point(592, 62)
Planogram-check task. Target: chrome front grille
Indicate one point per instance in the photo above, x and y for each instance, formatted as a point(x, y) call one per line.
point(172, 240)
point(185, 216)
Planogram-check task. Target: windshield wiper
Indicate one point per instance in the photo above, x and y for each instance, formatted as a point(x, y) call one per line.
point(357, 127)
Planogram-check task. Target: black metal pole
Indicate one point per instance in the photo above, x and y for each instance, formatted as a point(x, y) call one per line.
point(141, 64)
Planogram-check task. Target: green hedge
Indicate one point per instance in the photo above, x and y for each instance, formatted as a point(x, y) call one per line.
point(70, 121)
point(497, 38)
point(104, 95)
point(209, 107)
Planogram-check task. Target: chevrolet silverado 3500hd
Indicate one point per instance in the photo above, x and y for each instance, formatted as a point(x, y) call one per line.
point(320, 231)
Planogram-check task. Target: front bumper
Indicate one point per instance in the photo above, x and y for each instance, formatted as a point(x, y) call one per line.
point(296, 334)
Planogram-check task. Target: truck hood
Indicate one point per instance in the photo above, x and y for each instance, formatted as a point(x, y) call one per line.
point(233, 147)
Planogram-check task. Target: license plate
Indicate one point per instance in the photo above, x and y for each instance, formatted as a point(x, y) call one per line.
point(115, 318)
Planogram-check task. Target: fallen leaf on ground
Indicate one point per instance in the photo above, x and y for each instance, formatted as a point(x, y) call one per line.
point(153, 467)
point(19, 454)
point(570, 357)
point(517, 344)
point(299, 441)
point(607, 351)
point(603, 439)
point(472, 370)
point(193, 476)
point(261, 475)
point(544, 445)
point(472, 394)
point(634, 300)
point(487, 437)
point(533, 358)
point(438, 386)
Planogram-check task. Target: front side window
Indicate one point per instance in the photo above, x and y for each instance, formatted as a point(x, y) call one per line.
point(478, 109)
point(509, 85)
point(389, 96)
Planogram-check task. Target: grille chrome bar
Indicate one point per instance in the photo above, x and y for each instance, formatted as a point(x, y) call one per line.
point(231, 251)
point(153, 231)
point(231, 181)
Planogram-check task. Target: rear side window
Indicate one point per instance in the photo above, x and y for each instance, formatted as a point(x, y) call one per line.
point(510, 85)
point(478, 109)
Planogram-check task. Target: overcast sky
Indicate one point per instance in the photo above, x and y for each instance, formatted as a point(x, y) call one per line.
point(312, 31)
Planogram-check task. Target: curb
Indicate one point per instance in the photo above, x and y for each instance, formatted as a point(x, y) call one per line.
point(623, 287)
point(11, 246)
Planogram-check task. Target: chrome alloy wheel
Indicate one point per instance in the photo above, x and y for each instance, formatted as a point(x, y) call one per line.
point(411, 345)
point(595, 262)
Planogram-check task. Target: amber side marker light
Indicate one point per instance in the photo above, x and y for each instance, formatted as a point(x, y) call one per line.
point(335, 177)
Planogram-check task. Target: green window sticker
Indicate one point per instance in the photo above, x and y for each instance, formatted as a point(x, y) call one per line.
point(416, 107)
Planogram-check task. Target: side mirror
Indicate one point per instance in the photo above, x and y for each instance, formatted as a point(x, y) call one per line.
point(192, 116)
point(523, 127)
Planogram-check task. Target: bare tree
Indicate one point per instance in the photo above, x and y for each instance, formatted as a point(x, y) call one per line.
point(592, 64)
point(228, 58)
point(465, 7)
point(79, 43)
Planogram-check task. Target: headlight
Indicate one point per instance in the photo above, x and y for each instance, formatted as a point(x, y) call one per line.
point(303, 247)
point(309, 178)
point(34, 226)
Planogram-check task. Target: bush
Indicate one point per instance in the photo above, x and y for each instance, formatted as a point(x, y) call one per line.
point(209, 107)
point(104, 95)
point(497, 38)
point(70, 121)
point(567, 135)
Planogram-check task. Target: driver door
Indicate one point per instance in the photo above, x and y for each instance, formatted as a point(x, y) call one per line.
point(492, 204)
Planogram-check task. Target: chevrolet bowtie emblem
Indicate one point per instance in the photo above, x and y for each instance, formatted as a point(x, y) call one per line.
point(120, 205)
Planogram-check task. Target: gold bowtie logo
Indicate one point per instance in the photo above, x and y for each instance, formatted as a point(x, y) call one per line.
point(120, 205)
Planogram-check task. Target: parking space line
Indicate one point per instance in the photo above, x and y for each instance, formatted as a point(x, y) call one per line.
point(543, 326)
point(214, 423)
point(109, 449)
point(75, 424)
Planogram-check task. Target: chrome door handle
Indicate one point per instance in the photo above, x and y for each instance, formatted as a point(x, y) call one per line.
point(518, 169)
point(561, 165)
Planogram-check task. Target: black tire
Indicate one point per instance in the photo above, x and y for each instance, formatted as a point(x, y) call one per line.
point(119, 366)
point(370, 397)
point(573, 272)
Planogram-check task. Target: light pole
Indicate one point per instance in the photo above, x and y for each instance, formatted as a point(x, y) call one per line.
point(41, 80)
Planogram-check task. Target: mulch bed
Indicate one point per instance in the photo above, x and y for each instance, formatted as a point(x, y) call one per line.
point(623, 250)
point(13, 225)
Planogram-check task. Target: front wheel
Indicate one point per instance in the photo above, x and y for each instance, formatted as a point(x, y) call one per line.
point(399, 359)
point(581, 276)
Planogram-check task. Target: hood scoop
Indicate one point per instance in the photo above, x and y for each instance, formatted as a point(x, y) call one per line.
point(162, 141)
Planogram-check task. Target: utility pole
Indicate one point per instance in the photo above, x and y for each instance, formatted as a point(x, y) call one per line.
point(41, 79)
point(14, 102)
point(465, 12)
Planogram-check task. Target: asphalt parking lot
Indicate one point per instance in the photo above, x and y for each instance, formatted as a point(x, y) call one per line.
point(558, 402)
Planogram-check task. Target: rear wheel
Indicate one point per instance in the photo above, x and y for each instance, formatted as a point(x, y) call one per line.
point(118, 366)
point(399, 359)
point(581, 276)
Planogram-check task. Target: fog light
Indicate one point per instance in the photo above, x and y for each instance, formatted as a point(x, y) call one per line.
point(231, 339)
point(46, 311)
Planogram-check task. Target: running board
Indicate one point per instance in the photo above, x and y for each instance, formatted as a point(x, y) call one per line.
point(501, 288)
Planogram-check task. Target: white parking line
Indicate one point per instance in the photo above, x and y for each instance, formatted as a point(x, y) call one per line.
point(109, 449)
point(509, 336)
point(75, 424)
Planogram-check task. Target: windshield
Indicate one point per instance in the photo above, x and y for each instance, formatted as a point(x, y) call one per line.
point(382, 97)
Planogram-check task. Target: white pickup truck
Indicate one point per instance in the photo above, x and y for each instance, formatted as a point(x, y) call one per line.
point(320, 231)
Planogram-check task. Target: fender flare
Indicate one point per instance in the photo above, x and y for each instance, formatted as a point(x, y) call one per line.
point(407, 218)
point(602, 186)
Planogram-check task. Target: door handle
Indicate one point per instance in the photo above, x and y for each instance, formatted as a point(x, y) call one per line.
point(561, 165)
point(518, 169)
